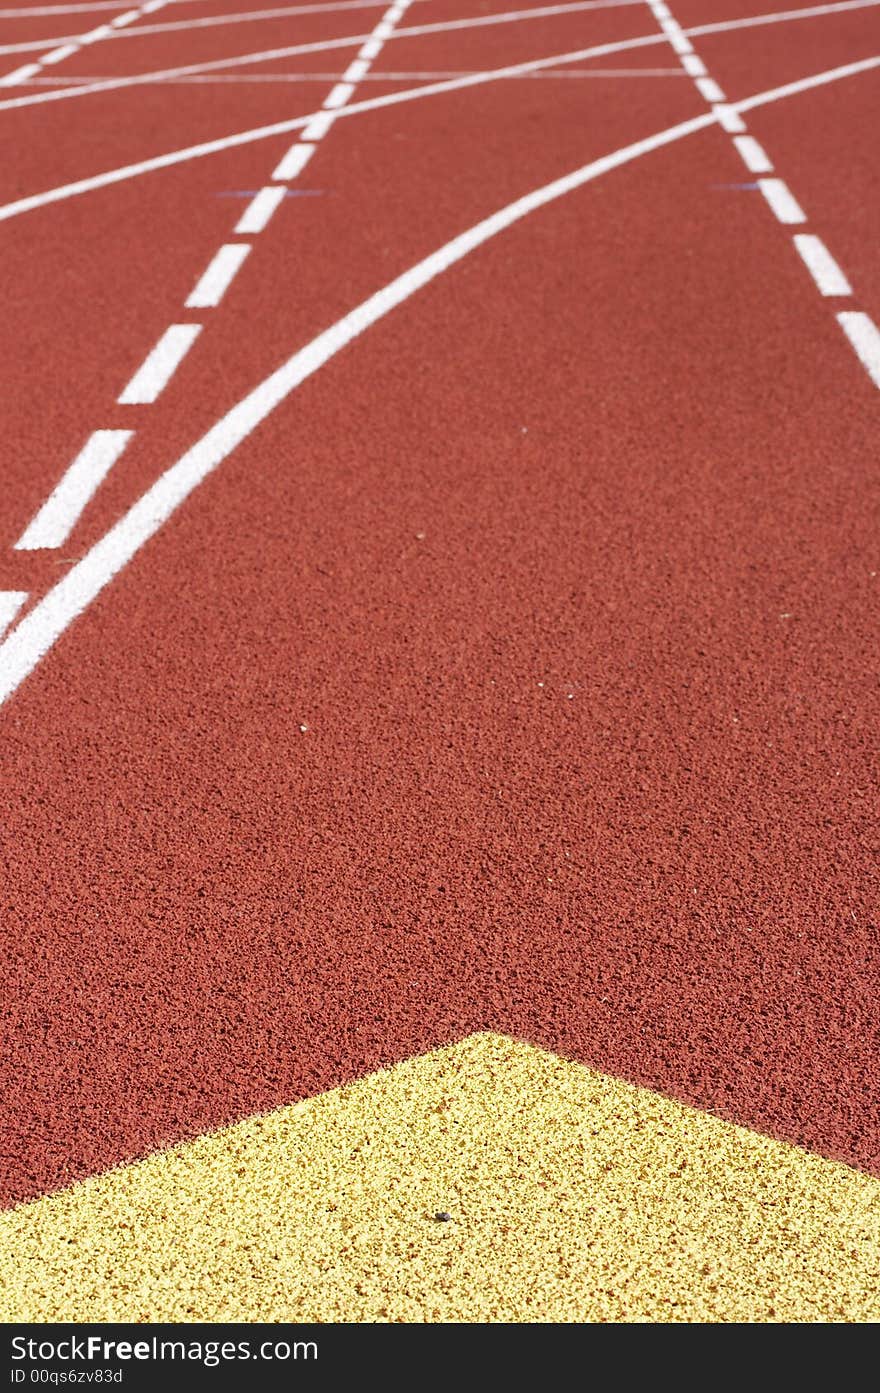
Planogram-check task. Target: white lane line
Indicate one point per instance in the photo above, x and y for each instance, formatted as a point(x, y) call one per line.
point(294, 162)
point(339, 96)
point(212, 147)
point(122, 20)
point(219, 275)
point(43, 10)
point(318, 126)
point(782, 201)
point(560, 74)
point(864, 336)
point(95, 34)
point(356, 70)
point(38, 631)
point(260, 209)
point(753, 154)
point(681, 44)
point(39, 43)
point(693, 66)
point(11, 602)
point(821, 265)
point(251, 15)
point(708, 88)
point(346, 42)
point(160, 365)
point(371, 49)
point(20, 75)
point(266, 56)
point(36, 634)
point(729, 119)
point(59, 54)
point(58, 516)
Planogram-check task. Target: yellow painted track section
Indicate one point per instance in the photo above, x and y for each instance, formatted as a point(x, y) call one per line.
point(572, 1196)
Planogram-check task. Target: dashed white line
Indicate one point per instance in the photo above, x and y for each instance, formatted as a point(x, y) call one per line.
point(318, 126)
point(782, 201)
point(95, 34)
point(58, 55)
point(708, 88)
point(11, 602)
point(681, 44)
point(260, 209)
point(20, 75)
point(753, 155)
point(356, 70)
point(295, 161)
point(693, 66)
point(219, 275)
point(729, 119)
point(338, 96)
point(56, 519)
point(160, 365)
point(864, 336)
point(821, 265)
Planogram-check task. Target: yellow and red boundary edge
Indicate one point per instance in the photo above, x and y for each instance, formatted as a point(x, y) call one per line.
point(565, 1195)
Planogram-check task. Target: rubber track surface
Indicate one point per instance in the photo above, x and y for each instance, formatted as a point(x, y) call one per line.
point(517, 673)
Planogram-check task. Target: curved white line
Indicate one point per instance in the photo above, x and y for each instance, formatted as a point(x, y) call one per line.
point(23, 649)
point(349, 41)
point(212, 147)
point(269, 55)
point(229, 142)
point(250, 15)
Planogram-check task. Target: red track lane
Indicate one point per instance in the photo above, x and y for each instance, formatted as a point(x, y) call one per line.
point(622, 451)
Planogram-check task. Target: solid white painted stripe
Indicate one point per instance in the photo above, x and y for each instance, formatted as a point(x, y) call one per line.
point(122, 20)
point(58, 516)
point(372, 49)
point(754, 156)
point(160, 365)
point(821, 265)
point(662, 11)
point(356, 70)
point(313, 127)
point(338, 97)
point(20, 75)
point(20, 654)
point(11, 602)
point(43, 10)
point(709, 89)
point(729, 118)
point(782, 200)
point(260, 209)
point(59, 54)
point(267, 56)
point(32, 639)
point(281, 12)
point(434, 75)
point(864, 336)
point(693, 66)
point(318, 126)
point(218, 277)
point(39, 43)
point(295, 161)
point(679, 42)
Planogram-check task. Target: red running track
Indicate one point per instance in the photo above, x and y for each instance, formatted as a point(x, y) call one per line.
point(518, 671)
